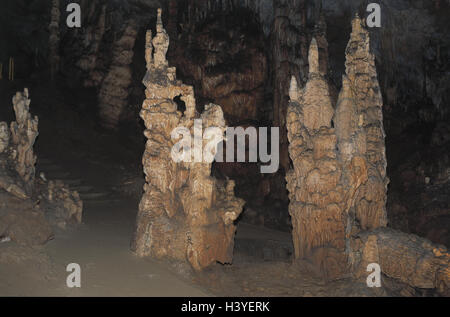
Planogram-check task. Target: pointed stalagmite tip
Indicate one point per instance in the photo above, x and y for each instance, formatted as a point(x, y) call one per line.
point(356, 23)
point(293, 83)
point(160, 43)
point(313, 57)
point(159, 21)
point(293, 89)
point(148, 38)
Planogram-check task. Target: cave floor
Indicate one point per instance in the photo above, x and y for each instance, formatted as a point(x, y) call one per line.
point(101, 247)
point(262, 265)
point(108, 268)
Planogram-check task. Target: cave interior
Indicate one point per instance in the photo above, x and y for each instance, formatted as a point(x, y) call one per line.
point(86, 88)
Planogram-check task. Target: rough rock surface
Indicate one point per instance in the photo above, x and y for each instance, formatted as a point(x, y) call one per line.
point(89, 62)
point(24, 132)
point(225, 60)
point(338, 184)
point(360, 131)
point(114, 93)
point(404, 257)
point(185, 214)
point(29, 206)
point(22, 222)
point(61, 205)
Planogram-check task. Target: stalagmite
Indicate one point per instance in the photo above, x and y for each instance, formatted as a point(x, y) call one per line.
point(338, 184)
point(7, 181)
point(360, 130)
point(24, 132)
point(293, 89)
point(313, 58)
point(185, 214)
point(160, 43)
point(29, 206)
point(320, 34)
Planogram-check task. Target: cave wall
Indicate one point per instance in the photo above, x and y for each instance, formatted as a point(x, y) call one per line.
point(411, 51)
point(223, 56)
point(412, 42)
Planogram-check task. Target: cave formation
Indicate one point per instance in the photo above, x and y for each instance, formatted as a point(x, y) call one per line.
point(184, 213)
point(87, 142)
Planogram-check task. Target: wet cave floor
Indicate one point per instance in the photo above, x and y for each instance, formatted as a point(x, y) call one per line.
point(101, 247)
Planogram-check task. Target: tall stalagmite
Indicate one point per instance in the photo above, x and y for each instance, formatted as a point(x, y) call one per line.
point(360, 131)
point(185, 214)
point(30, 206)
point(24, 132)
point(338, 184)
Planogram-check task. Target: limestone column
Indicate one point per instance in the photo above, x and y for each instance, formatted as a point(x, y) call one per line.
point(185, 214)
point(338, 184)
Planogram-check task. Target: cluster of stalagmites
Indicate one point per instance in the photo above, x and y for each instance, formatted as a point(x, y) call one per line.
point(29, 207)
point(338, 185)
point(185, 214)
